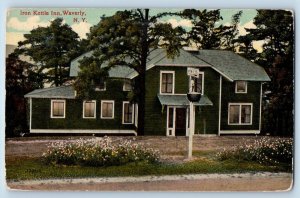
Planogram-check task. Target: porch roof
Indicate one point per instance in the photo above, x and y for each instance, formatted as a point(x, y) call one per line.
point(181, 100)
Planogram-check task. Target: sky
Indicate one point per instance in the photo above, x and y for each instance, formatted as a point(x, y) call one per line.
point(21, 20)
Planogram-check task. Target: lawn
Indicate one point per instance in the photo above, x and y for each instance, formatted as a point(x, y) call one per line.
point(22, 168)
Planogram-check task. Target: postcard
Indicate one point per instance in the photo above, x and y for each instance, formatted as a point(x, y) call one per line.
point(140, 99)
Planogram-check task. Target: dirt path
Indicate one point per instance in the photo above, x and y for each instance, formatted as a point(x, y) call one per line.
point(200, 182)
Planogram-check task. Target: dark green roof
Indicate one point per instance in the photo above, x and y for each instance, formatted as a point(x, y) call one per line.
point(233, 66)
point(156, 57)
point(229, 64)
point(53, 92)
point(182, 100)
point(116, 72)
point(159, 57)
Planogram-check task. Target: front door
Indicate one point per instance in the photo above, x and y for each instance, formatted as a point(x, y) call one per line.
point(180, 122)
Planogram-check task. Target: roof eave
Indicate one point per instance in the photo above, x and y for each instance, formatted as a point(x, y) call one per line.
point(51, 97)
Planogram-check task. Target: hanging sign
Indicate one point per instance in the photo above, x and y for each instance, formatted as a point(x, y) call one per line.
point(193, 72)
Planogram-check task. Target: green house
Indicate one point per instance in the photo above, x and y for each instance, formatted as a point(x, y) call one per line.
point(230, 88)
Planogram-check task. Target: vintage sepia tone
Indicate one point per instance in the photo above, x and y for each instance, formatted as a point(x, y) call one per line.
point(149, 99)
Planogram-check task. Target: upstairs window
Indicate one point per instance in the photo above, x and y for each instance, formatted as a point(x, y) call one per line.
point(107, 109)
point(240, 87)
point(58, 108)
point(197, 84)
point(167, 82)
point(240, 114)
point(127, 85)
point(89, 109)
point(100, 85)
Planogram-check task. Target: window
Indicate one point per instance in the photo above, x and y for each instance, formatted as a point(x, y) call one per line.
point(240, 87)
point(240, 114)
point(100, 85)
point(198, 83)
point(127, 113)
point(107, 109)
point(167, 82)
point(89, 109)
point(58, 108)
point(127, 85)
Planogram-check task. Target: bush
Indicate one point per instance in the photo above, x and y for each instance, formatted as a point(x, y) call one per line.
point(268, 151)
point(99, 152)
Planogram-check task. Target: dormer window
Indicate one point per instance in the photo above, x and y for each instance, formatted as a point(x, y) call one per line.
point(240, 87)
point(127, 85)
point(100, 85)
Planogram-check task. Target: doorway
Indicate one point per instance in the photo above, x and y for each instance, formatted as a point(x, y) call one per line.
point(180, 122)
point(176, 121)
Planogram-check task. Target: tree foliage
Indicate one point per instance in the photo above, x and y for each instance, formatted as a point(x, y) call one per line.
point(230, 32)
point(276, 29)
point(206, 33)
point(21, 77)
point(90, 74)
point(52, 48)
point(245, 47)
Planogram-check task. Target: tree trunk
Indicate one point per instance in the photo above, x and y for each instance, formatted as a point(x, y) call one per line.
point(60, 76)
point(142, 74)
point(141, 104)
point(56, 76)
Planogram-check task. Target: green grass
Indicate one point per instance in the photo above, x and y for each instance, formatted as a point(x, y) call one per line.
point(22, 168)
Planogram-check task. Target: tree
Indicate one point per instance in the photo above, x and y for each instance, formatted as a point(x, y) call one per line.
point(126, 39)
point(230, 33)
point(52, 48)
point(276, 29)
point(21, 78)
point(90, 74)
point(206, 33)
point(245, 47)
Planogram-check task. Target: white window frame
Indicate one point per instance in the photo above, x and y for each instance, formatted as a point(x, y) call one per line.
point(240, 113)
point(172, 129)
point(246, 87)
point(124, 87)
point(123, 111)
point(113, 109)
point(51, 110)
point(160, 82)
point(136, 113)
point(104, 89)
point(202, 88)
point(83, 109)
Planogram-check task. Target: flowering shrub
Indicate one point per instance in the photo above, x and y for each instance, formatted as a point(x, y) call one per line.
point(265, 151)
point(99, 152)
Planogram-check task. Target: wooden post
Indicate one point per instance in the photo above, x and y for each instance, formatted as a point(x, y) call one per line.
point(191, 132)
